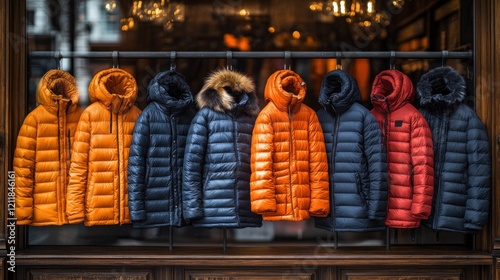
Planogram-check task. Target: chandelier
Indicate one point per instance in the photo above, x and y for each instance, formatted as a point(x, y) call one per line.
point(358, 12)
point(159, 12)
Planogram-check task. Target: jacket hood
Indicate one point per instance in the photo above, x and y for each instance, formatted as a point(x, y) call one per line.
point(225, 90)
point(391, 90)
point(339, 91)
point(170, 91)
point(285, 88)
point(56, 86)
point(114, 88)
point(441, 88)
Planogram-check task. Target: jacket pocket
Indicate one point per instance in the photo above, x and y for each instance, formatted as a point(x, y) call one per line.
point(359, 186)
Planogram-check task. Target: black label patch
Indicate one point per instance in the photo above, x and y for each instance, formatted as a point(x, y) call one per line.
point(398, 123)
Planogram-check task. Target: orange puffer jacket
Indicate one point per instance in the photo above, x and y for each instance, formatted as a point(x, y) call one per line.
point(41, 158)
point(289, 166)
point(97, 189)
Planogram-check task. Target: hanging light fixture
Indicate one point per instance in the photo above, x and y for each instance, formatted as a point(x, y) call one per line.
point(354, 11)
point(160, 12)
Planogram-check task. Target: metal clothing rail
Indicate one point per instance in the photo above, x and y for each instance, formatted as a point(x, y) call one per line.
point(254, 54)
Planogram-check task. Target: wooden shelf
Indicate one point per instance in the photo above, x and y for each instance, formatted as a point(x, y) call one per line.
point(251, 256)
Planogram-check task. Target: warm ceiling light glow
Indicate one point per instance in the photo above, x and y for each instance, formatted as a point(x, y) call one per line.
point(244, 12)
point(342, 8)
point(335, 8)
point(271, 29)
point(369, 7)
point(296, 35)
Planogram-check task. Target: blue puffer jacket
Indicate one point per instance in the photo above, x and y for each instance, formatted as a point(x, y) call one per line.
point(157, 153)
point(462, 163)
point(216, 184)
point(356, 158)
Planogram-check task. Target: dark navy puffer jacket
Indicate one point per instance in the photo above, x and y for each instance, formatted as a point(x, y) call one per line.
point(216, 185)
point(157, 153)
point(462, 180)
point(356, 158)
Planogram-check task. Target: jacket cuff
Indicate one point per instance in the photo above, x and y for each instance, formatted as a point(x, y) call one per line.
point(23, 222)
point(420, 212)
point(193, 214)
point(138, 216)
point(319, 208)
point(472, 226)
point(75, 219)
point(264, 206)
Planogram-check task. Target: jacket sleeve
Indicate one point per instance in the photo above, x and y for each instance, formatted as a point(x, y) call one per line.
point(478, 175)
point(377, 168)
point(24, 168)
point(194, 160)
point(78, 171)
point(262, 192)
point(422, 166)
point(318, 168)
point(137, 169)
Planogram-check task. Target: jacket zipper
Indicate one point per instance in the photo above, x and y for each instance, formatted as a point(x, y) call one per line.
point(173, 163)
point(61, 158)
point(69, 144)
point(290, 153)
point(111, 118)
point(69, 132)
point(119, 160)
point(235, 143)
point(442, 132)
point(386, 126)
point(336, 118)
point(386, 143)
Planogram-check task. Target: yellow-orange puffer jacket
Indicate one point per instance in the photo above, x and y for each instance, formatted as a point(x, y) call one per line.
point(41, 158)
point(97, 190)
point(289, 166)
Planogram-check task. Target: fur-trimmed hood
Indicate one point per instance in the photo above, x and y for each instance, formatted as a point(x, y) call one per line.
point(441, 88)
point(225, 90)
point(338, 90)
point(170, 92)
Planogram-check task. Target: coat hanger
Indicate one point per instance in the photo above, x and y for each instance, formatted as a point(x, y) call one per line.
point(392, 62)
point(114, 55)
point(338, 60)
point(288, 63)
point(173, 65)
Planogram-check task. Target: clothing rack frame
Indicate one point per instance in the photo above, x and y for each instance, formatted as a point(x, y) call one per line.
point(286, 55)
point(255, 54)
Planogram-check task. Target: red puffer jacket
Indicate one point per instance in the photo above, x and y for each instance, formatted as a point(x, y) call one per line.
point(408, 141)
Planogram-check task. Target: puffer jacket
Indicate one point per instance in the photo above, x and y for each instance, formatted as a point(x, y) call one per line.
point(43, 151)
point(289, 163)
point(215, 187)
point(462, 181)
point(97, 190)
point(157, 153)
point(408, 141)
point(356, 158)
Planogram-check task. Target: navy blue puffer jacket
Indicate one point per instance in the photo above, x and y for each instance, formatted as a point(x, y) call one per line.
point(462, 163)
point(157, 153)
point(356, 158)
point(216, 185)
